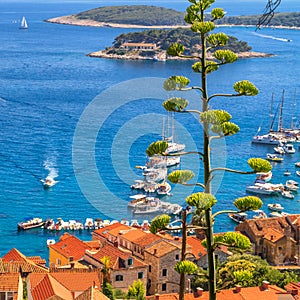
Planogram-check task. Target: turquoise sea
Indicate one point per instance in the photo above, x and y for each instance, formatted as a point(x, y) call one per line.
point(88, 121)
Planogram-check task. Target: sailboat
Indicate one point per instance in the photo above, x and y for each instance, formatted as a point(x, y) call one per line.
point(23, 24)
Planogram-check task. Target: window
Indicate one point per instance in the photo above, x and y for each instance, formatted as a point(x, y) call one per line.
point(164, 287)
point(6, 295)
point(164, 272)
point(58, 262)
point(177, 257)
point(149, 268)
point(140, 275)
point(119, 277)
point(130, 261)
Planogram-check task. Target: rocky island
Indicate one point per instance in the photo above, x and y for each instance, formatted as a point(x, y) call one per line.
point(152, 44)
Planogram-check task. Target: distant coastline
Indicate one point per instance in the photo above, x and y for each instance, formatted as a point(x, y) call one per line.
point(72, 20)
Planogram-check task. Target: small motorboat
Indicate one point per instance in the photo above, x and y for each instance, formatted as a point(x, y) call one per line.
point(275, 207)
point(297, 164)
point(48, 182)
point(274, 158)
point(30, 223)
point(50, 242)
point(279, 150)
point(259, 214)
point(287, 194)
point(238, 217)
point(298, 173)
point(275, 214)
point(287, 173)
point(289, 148)
point(293, 182)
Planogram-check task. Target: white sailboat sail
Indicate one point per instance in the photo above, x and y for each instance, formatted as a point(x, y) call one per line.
point(23, 24)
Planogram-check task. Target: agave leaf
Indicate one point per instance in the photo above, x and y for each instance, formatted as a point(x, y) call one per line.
point(176, 83)
point(201, 201)
point(225, 56)
point(157, 148)
point(202, 27)
point(186, 267)
point(248, 203)
point(175, 49)
point(259, 165)
point(175, 104)
point(218, 39)
point(180, 176)
point(245, 88)
point(217, 13)
point(159, 222)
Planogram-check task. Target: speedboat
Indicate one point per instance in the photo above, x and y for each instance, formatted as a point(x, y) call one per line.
point(279, 150)
point(289, 148)
point(264, 177)
point(48, 182)
point(290, 186)
point(238, 217)
point(275, 207)
point(274, 158)
point(260, 214)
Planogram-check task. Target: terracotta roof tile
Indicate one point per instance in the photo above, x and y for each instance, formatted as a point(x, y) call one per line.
point(147, 240)
point(250, 293)
point(92, 293)
point(112, 229)
point(69, 246)
point(273, 235)
point(43, 290)
point(14, 255)
point(115, 255)
point(134, 234)
point(77, 281)
point(161, 248)
point(196, 246)
point(37, 260)
point(9, 282)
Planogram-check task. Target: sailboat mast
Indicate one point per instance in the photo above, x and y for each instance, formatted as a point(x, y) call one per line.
point(280, 116)
point(293, 111)
point(271, 116)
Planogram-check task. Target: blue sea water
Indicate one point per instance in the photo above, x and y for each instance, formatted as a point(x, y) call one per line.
point(88, 120)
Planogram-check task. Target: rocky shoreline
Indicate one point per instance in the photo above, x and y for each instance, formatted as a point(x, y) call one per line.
point(103, 54)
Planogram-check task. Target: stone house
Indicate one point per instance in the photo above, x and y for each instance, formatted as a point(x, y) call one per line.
point(125, 268)
point(11, 286)
point(275, 239)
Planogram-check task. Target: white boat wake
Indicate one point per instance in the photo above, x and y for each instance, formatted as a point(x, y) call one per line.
point(272, 37)
point(50, 167)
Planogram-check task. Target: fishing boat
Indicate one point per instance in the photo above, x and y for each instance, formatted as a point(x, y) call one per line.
point(238, 217)
point(24, 24)
point(274, 158)
point(30, 223)
point(275, 207)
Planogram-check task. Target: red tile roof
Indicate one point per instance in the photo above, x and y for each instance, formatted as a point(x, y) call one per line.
point(115, 255)
point(196, 246)
point(92, 293)
point(77, 281)
point(250, 293)
point(112, 229)
point(70, 246)
point(162, 248)
point(273, 235)
point(9, 282)
point(147, 240)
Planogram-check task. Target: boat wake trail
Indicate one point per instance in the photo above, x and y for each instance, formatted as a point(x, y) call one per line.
point(50, 167)
point(272, 37)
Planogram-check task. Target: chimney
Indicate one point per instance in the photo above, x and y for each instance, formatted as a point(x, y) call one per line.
point(272, 237)
point(155, 251)
point(294, 292)
point(265, 284)
point(199, 291)
point(156, 297)
point(237, 289)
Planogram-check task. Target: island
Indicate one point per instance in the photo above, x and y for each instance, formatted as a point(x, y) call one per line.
point(147, 16)
point(152, 45)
